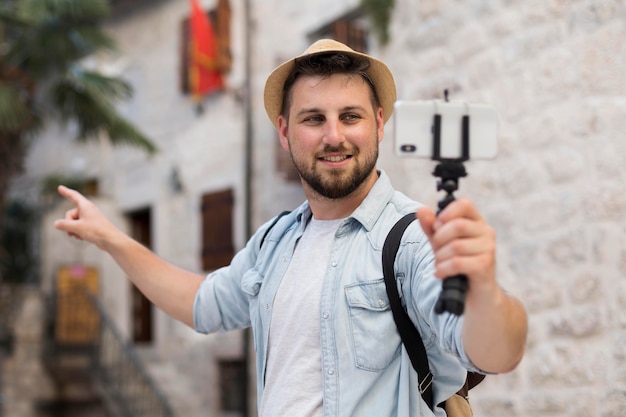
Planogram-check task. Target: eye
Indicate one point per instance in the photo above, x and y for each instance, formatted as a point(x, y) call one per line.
point(349, 117)
point(313, 119)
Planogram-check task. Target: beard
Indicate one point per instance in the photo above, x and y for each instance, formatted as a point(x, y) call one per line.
point(338, 183)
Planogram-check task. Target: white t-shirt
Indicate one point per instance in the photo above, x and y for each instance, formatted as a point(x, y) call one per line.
point(293, 385)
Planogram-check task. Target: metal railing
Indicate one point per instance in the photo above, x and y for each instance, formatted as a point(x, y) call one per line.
point(82, 326)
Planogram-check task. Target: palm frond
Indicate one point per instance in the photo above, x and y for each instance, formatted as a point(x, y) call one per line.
point(93, 38)
point(45, 36)
point(9, 17)
point(123, 132)
point(52, 48)
point(44, 41)
point(110, 88)
point(91, 107)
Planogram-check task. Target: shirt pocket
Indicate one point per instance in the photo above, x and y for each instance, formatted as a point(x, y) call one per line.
point(376, 342)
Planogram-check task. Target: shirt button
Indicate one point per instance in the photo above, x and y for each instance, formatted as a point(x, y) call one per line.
point(381, 302)
point(333, 264)
point(325, 315)
point(331, 371)
point(284, 259)
point(267, 306)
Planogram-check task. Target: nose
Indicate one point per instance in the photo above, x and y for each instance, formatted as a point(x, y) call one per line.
point(333, 133)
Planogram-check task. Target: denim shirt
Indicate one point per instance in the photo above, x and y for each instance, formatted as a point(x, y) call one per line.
point(365, 368)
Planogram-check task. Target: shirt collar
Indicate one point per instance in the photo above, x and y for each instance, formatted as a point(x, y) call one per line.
point(375, 202)
point(368, 211)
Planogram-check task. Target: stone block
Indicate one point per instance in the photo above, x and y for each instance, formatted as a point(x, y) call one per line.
point(581, 323)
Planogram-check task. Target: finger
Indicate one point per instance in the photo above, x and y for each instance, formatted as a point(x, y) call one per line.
point(476, 268)
point(70, 194)
point(460, 208)
point(427, 220)
point(72, 214)
point(460, 228)
point(465, 247)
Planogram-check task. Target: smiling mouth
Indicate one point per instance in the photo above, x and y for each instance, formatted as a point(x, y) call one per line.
point(334, 158)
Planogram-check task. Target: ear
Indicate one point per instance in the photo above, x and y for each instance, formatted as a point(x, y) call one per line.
point(380, 124)
point(282, 132)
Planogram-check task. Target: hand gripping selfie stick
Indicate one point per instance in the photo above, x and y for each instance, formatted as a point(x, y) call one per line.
point(453, 289)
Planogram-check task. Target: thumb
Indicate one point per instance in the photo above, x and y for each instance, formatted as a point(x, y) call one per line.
point(65, 225)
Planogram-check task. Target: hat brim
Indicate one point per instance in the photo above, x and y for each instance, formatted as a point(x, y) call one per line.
point(379, 74)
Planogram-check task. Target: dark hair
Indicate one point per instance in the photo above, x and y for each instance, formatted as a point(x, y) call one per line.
point(325, 65)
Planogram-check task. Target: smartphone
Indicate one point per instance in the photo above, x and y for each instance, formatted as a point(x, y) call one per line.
point(415, 124)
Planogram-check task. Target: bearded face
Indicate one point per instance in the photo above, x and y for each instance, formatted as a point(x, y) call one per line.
point(332, 133)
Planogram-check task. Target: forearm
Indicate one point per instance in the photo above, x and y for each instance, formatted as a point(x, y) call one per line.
point(494, 331)
point(169, 287)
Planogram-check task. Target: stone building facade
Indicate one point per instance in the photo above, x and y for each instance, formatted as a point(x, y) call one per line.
point(556, 72)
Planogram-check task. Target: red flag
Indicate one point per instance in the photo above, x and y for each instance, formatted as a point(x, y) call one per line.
point(204, 76)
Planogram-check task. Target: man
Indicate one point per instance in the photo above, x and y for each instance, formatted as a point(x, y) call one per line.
point(311, 285)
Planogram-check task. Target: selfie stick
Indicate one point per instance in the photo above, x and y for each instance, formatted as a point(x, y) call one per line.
point(453, 289)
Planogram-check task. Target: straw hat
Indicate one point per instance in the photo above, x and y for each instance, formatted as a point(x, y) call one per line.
point(378, 72)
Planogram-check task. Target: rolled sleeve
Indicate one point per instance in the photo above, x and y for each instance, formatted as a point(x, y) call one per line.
point(206, 314)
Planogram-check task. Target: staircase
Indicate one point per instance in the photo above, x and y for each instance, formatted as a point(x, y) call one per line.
point(89, 360)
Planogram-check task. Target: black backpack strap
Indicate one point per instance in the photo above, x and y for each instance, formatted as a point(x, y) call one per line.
point(276, 219)
point(409, 334)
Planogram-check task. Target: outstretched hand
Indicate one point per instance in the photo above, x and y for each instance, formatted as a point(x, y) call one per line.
point(462, 241)
point(85, 221)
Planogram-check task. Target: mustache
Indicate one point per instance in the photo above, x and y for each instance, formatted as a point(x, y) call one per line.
point(337, 149)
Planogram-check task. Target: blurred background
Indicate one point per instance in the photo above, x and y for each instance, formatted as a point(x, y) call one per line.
point(154, 110)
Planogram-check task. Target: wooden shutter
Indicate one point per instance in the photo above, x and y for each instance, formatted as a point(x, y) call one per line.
point(222, 34)
point(220, 19)
point(183, 73)
point(217, 229)
point(351, 34)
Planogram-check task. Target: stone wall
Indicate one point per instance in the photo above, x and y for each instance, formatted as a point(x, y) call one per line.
point(556, 72)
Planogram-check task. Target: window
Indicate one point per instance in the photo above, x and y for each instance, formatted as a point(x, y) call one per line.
point(220, 20)
point(217, 229)
point(350, 29)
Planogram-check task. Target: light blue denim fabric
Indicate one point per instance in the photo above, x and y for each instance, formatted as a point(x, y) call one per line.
point(365, 369)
